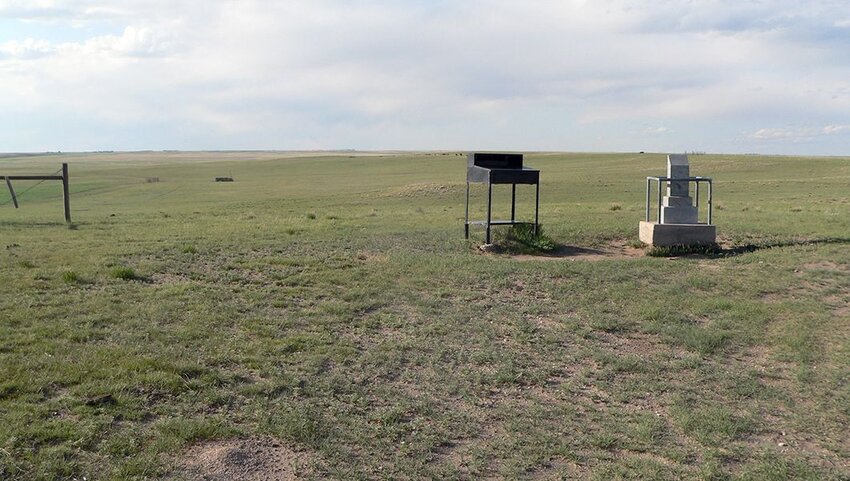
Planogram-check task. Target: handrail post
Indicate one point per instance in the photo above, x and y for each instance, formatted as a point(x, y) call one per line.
point(659, 201)
point(696, 198)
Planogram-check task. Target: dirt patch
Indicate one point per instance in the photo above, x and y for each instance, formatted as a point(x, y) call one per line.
point(424, 189)
point(616, 249)
point(245, 459)
point(828, 266)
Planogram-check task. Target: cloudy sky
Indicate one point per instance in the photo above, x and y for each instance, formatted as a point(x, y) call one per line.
point(734, 76)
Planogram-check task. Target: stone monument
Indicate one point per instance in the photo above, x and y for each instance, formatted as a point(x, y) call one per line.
point(678, 215)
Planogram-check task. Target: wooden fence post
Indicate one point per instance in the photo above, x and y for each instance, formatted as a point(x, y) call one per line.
point(12, 191)
point(66, 193)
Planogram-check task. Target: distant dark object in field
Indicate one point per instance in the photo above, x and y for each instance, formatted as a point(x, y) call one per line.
point(151, 180)
point(641, 152)
point(224, 179)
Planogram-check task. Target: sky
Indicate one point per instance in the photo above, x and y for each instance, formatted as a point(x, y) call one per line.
point(724, 76)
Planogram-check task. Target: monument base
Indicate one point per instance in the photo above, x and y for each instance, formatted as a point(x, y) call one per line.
point(667, 235)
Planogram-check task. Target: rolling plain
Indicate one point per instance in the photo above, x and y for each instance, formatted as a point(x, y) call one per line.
point(323, 317)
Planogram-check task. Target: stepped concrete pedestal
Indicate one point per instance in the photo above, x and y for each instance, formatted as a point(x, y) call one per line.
point(678, 222)
point(666, 235)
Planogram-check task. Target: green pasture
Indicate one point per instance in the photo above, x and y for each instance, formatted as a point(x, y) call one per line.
point(329, 301)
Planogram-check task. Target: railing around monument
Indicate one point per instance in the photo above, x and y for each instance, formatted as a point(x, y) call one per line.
point(695, 180)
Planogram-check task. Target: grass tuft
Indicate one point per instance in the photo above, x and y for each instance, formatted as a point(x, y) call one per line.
point(70, 277)
point(123, 272)
point(683, 250)
point(521, 239)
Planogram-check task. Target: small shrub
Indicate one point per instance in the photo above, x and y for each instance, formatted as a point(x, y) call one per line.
point(604, 440)
point(311, 216)
point(636, 244)
point(615, 207)
point(190, 250)
point(123, 272)
point(70, 277)
point(681, 250)
point(522, 239)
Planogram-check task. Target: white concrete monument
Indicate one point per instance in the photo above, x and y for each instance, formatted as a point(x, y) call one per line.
point(678, 206)
point(678, 216)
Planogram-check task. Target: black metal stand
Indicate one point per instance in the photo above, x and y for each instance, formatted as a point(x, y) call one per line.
point(489, 222)
point(499, 168)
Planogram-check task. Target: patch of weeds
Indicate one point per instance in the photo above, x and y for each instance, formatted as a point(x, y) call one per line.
point(632, 467)
point(303, 425)
point(774, 466)
point(123, 272)
point(682, 250)
point(636, 244)
point(711, 425)
point(290, 231)
point(521, 239)
point(26, 264)
point(650, 430)
point(604, 440)
point(610, 323)
point(796, 209)
point(311, 216)
point(615, 206)
point(70, 277)
point(8, 390)
point(72, 226)
point(189, 249)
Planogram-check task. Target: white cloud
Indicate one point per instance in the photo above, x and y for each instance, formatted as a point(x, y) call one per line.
point(798, 134)
point(250, 73)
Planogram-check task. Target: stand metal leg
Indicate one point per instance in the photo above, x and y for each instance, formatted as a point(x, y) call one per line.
point(513, 202)
point(466, 223)
point(536, 207)
point(489, 208)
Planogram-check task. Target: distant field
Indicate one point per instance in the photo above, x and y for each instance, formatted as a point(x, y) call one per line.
point(323, 317)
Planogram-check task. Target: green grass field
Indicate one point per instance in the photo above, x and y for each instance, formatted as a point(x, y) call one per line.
point(329, 307)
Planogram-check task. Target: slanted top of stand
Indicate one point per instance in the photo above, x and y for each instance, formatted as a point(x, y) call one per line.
point(495, 160)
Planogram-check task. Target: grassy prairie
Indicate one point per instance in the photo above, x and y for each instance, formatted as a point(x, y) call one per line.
point(329, 302)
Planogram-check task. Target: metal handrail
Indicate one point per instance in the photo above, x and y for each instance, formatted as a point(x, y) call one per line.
point(695, 180)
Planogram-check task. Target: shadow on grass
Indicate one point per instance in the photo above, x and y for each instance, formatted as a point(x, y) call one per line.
point(570, 251)
point(715, 251)
point(16, 223)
